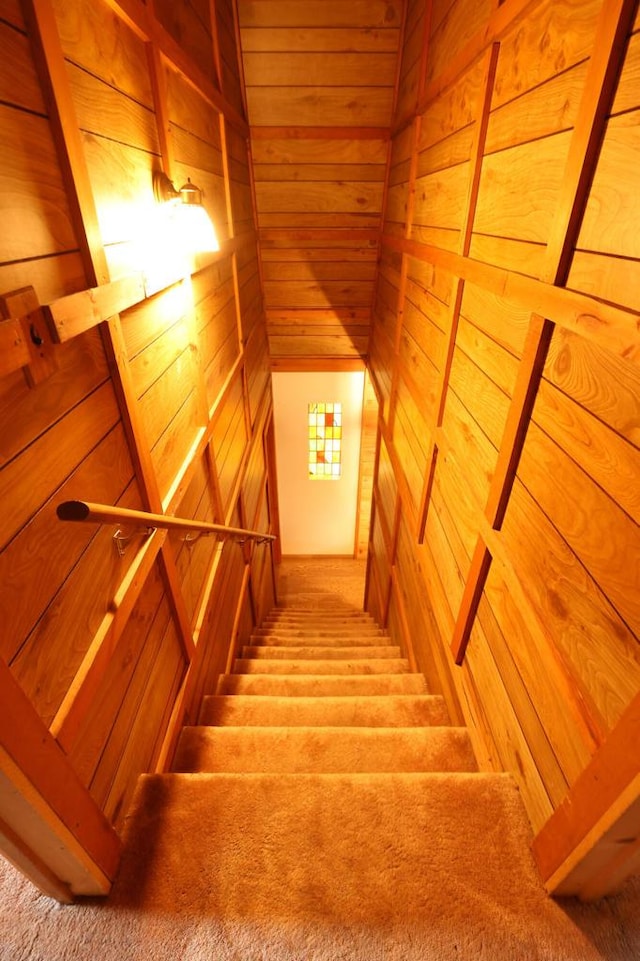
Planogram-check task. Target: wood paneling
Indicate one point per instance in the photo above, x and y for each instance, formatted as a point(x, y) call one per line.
point(149, 408)
point(320, 89)
point(524, 440)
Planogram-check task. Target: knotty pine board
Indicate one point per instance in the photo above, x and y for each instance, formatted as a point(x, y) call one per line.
point(194, 558)
point(26, 413)
point(52, 456)
point(270, 153)
point(602, 657)
point(224, 26)
point(513, 749)
point(36, 219)
point(604, 538)
point(325, 69)
point(373, 14)
point(159, 685)
point(45, 551)
point(19, 84)
point(190, 26)
point(86, 749)
point(320, 106)
point(96, 39)
point(457, 27)
point(115, 115)
point(411, 61)
point(557, 35)
point(258, 368)
point(535, 676)
point(48, 660)
point(599, 381)
point(229, 438)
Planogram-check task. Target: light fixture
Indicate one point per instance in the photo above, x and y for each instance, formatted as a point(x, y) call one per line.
point(189, 217)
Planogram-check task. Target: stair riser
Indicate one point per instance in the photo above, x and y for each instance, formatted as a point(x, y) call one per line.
point(279, 640)
point(368, 711)
point(323, 750)
point(294, 631)
point(327, 617)
point(319, 653)
point(334, 685)
point(360, 666)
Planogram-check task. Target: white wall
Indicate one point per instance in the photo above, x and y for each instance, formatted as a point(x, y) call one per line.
point(316, 516)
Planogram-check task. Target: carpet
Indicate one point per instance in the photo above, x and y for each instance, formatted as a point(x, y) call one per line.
point(318, 817)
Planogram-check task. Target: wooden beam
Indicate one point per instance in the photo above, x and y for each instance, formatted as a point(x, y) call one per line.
point(73, 314)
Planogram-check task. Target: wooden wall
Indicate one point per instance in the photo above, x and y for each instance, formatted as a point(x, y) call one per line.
point(320, 83)
point(149, 389)
point(504, 353)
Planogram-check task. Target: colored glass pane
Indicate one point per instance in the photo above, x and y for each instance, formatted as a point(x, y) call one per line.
point(324, 440)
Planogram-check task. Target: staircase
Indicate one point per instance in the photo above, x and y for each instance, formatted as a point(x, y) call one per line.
point(322, 693)
point(324, 808)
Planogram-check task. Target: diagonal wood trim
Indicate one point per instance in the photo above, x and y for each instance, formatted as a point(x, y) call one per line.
point(612, 327)
point(607, 788)
point(424, 55)
point(48, 780)
point(473, 588)
point(217, 58)
point(524, 394)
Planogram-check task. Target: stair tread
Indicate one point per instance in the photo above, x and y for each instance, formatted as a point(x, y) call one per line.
point(323, 749)
point(397, 864)
point(320, 652)
point(403, 710)
point(320, 685)
point(385, 665)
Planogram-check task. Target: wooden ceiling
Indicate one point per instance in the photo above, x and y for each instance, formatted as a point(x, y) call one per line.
point(320, 88)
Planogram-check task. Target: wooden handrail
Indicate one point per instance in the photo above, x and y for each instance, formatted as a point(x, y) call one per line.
point(105, 514)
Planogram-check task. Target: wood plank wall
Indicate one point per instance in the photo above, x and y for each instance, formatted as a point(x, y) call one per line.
point(320, 83)
point(504, 353)
point(150, 389)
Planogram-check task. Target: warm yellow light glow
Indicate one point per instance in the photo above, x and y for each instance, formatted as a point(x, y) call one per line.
point(197, 233)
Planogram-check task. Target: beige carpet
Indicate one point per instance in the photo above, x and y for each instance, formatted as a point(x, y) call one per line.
point(333, 816)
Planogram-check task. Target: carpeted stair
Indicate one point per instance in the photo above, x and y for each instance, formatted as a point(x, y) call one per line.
point(324, 808)
point(335, 727)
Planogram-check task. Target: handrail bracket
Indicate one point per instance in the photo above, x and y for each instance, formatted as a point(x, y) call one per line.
point(122, 537)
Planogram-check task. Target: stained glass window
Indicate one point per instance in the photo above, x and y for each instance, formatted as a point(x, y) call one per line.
point(325, 441)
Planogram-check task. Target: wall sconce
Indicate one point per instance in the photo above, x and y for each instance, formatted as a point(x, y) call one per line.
point(188, 214)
